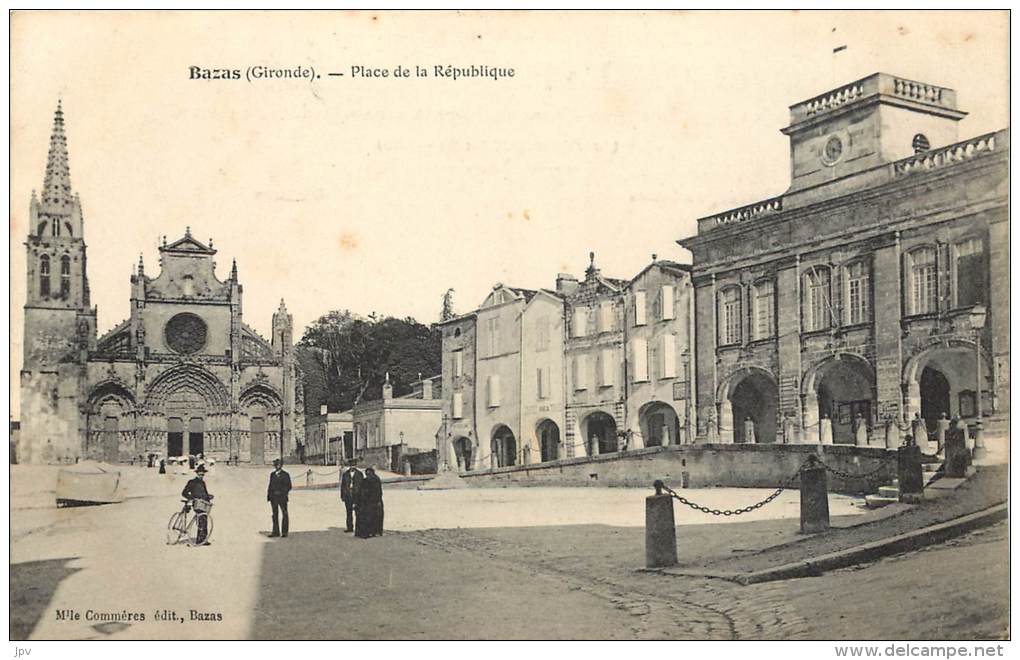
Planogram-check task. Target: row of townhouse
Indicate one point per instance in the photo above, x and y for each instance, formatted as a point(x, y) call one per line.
point(590, 367)
point(869, 300)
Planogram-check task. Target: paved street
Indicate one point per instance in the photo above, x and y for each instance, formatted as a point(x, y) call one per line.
point(452, 566)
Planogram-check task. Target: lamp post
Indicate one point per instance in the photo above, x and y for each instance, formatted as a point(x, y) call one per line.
point(323, 411)
point(977, 322)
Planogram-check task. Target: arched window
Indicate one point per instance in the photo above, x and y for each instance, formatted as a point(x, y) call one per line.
point(922, 284)
point(817, 304)
point(44, 275)
point(56, 227)
point(764, 310)
point(729, 316)
point(65, 276)
point(858, 293)
point(971, 266)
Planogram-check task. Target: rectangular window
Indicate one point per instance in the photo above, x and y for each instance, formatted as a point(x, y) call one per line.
point(668, 356)
point(667, 303)
point(923, 282)
point(640, 307)
point(729, 316)
point(458, 364)
point(458, 405)
point(579, 367)
point(639, 347)
point(606, 368)
point(542, 334)
point(493, 390)
point(580, 322)
point(817, 307)
point(971, 266)
point(858, 294)
point(605, 316)
point(540, 383)
point(764, 306)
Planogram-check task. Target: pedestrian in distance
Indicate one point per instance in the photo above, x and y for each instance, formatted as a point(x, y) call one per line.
point(350, 486)
point(279, 488)
point(370, 506)
point(196, 489)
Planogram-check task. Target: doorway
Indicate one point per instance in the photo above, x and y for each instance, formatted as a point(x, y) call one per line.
point(258, 440)
point(934, 397)
point(196, 437)
point(174, 437)
point(111, 439)
point(549, 440)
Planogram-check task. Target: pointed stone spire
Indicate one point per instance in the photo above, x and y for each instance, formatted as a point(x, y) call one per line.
point(141, 265)
point(56, 193)
point(233, 271)
point(187, 232)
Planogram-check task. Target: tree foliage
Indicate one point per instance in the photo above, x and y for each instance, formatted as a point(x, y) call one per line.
point(346, 357)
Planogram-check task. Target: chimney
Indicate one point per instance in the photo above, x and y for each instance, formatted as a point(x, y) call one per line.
point(387, 389)
point(566, 284)
point(426, 388)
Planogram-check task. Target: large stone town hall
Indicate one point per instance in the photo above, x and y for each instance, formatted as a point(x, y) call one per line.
point(183, 374)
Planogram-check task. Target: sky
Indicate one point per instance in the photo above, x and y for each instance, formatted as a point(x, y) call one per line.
point(616, 132)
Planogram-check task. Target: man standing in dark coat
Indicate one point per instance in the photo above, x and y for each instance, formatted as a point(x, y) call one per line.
point(279, 487)
point(197, 490)
point(350, 486)
point(370, 506)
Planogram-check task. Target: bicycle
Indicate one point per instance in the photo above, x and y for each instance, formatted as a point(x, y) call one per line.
point(184, 528)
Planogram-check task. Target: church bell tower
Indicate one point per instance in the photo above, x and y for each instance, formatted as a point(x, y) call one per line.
point(60, 325)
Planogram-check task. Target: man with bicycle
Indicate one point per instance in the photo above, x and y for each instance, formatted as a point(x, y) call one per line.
point(196, 490)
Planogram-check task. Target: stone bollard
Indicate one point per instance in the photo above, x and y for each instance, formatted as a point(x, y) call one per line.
point(825, 430)
point(660, 530)
point(908, 469)
point(921, 439)
point(814, 497)
point(957, 454)
point(943, 427)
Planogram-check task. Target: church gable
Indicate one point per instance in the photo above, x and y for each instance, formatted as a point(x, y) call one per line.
point(187, 272)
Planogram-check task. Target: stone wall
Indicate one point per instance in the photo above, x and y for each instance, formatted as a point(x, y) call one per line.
point(705, 466)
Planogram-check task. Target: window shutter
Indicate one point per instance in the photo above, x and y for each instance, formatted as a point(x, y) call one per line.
point(607, 366)
point(493, 390)
point(546, 383)
point(540, 383)
point(579, 368)
point(668, 354)
point(458, 363)
point(580, 321)
point(667, 303)
point(458, 405)
point(640, 307)
point(640, 348)
point(605, 317)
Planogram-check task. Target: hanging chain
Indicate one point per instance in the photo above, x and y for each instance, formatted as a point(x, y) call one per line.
point(736, 512)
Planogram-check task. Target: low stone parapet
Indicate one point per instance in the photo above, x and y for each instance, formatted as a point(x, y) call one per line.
point(856, 469)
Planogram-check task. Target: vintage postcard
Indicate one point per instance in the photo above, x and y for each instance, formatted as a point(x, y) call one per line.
point(468, 325)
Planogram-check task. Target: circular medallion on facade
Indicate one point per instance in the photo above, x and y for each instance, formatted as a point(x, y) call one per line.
point(833, 150)
point(185, 333)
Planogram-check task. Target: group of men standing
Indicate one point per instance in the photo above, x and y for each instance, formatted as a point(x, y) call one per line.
point(362, 497)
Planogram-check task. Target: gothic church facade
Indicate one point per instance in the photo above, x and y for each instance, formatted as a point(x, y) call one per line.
point(182, 375)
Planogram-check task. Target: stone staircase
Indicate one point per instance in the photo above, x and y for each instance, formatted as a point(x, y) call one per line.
point(890, 494)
